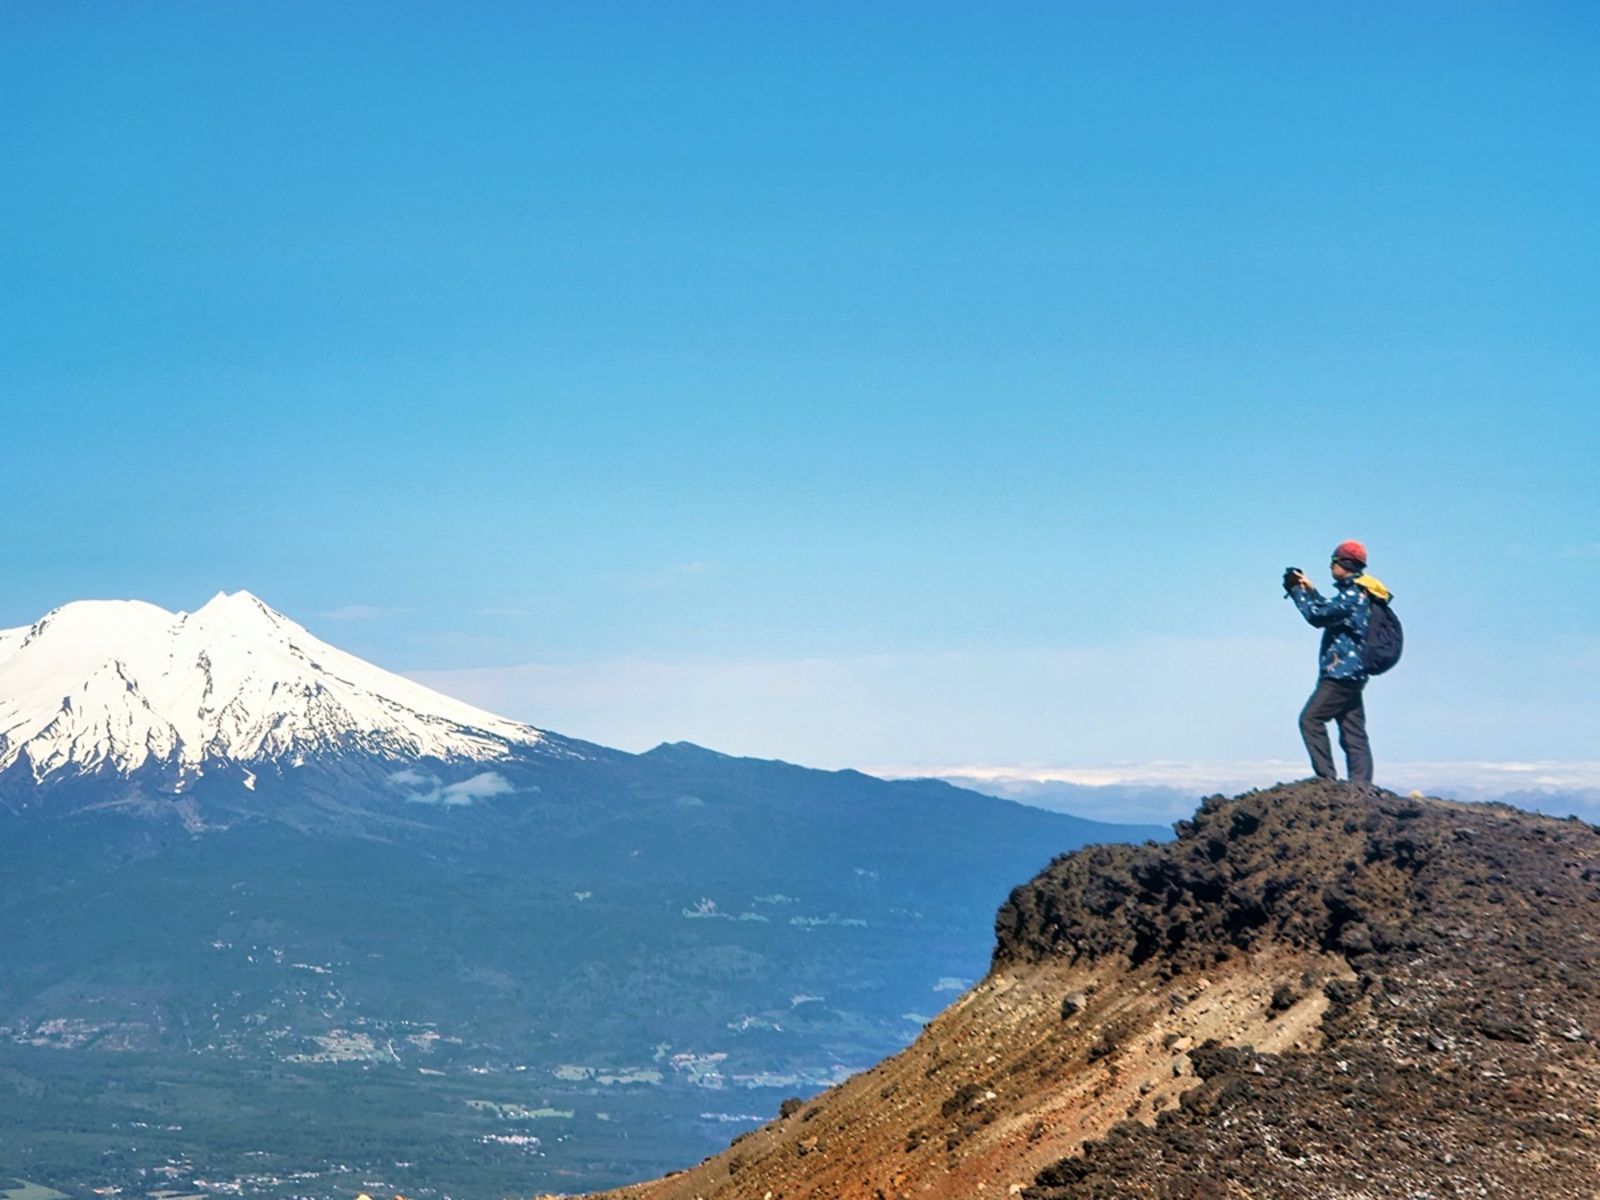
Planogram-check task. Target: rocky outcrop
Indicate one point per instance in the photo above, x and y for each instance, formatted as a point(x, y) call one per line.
point(1458, 1057)
point(1315, 991)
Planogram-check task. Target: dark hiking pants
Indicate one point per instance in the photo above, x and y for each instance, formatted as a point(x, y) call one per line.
point(1337, 700)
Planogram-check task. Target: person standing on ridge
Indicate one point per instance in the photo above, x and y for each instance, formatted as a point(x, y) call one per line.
point(1342, 671)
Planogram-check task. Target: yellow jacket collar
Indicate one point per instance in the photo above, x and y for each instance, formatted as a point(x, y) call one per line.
point(1374, 588)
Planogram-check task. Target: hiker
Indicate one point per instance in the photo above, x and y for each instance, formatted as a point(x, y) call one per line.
point(1344, 618)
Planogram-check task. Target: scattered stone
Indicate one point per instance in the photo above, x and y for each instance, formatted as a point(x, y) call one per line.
point(1504, 1029)
point(1355, 938)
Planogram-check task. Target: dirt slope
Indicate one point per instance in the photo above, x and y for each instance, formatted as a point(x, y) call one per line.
point(1314, 992)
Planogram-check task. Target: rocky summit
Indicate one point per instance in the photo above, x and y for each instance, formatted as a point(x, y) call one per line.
point(1315, 991)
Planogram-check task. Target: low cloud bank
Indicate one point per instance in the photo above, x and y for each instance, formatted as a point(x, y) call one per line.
point(1169, 791)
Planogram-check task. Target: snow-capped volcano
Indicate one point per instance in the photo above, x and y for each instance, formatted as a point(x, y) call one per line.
point(119, 684)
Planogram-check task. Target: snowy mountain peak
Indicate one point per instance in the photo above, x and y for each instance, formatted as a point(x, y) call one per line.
point(240, 600)
point(119, 684)
point(242, 604)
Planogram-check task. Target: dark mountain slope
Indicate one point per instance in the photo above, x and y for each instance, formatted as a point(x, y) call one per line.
point(654, 946)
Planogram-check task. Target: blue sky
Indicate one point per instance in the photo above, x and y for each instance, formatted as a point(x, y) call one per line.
point(896, 384)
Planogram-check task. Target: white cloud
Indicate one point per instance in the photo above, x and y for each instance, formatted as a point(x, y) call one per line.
point(419, 788)
point(1166, 791)
point(1189, 776)
point(479, 787)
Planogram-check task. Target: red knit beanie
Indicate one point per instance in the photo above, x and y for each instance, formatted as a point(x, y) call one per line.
point(1351, 551)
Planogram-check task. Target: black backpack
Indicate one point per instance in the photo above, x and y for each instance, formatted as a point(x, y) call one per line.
point(1385, 638)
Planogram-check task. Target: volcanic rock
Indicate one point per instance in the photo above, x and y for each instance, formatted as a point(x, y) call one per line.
point(1315, 991)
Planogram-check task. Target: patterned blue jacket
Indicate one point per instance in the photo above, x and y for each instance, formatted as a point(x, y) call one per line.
point(1343, 618)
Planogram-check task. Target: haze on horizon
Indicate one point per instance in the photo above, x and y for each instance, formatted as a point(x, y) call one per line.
point(890, 388)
